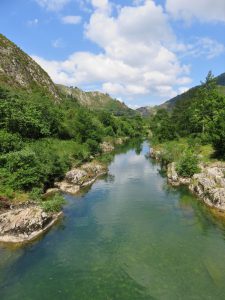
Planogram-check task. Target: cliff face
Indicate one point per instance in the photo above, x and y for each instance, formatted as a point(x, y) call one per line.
point(18, 70)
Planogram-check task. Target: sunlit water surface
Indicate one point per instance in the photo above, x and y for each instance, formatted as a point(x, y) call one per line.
point(131, 236)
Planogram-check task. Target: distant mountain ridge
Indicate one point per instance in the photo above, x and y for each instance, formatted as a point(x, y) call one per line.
point(18, 71)
point(169, 104)
point(96, 100)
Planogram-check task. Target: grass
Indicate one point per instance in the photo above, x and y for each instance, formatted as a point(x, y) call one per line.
point(173, 150)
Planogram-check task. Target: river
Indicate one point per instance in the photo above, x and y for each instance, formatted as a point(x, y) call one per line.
point(130, 236)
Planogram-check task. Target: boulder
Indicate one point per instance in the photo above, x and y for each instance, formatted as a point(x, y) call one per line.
point(209, 185)
point(173, 177)
point(106, 147)
point(76, 176)
point(24, 224)
point(80, 177)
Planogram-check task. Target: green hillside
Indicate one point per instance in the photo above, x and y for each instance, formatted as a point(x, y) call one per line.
point(187, 96)
point(96, 100)
point(190, 94)
point(43, 131)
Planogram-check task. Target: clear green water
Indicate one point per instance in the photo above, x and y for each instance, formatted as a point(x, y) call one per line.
point(131, 236)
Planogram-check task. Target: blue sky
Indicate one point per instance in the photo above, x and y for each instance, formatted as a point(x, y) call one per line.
point(142, 52)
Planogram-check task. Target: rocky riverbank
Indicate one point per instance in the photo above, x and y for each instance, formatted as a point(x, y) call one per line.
point(80, 177)
point(208, 185)
point(25, 223)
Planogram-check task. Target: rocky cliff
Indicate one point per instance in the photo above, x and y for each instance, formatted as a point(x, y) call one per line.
point(96, 100)
point(19, 70)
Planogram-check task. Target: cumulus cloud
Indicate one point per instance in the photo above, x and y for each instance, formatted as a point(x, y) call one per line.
point(203, 10)
point(135, 58)
point(71, 20)
point(139, 54)
point(53, 5)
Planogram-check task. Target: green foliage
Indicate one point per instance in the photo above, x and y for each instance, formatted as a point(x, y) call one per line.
point(93, 146)
point(9, 142)
point(30, 116)
point(21, 169)
point(187, 166)
point(36, 194)
point(200, 116)
point(162, 126)
point(53, 204)
point(217, 131)
point(41, 140)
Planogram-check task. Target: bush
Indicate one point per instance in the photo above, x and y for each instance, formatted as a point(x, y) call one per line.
point(9, 142)
point(36, 194)
point(93, 146)
point(21, 169)
point(54, 204)
point(187, 166)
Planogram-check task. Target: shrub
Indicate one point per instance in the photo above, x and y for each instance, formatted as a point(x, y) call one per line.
point(36, 194)
point(9, 142)
point(187, 166)
point(54, 204)
point(93, 146)
point(21, 169)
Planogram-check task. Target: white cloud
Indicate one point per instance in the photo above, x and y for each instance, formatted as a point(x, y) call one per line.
point(33, 22)
point(139, 54)
point(58, 43)
point(202, 47)
point(53, 5)
point(71, 20)
point(203, 10)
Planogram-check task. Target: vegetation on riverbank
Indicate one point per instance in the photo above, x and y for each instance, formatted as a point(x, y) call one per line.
point(193, 131)
point(41, 141)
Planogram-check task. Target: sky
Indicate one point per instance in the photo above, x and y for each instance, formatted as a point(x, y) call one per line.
point(142, 52)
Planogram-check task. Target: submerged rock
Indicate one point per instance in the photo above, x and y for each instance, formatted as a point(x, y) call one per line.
point(24, 224)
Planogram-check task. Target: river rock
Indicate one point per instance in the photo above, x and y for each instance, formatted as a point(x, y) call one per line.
point(24, 224)
point(106, 147)
point(80, 177)
point(155, 154)
point(76, 176)
point(51, 191)
point(209, 185)
point(173, 177)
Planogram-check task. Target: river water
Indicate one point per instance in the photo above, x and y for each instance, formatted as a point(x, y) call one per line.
point(130, 236)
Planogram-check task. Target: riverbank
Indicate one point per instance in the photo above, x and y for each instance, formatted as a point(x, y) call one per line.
point(23, 222)
point(208, 184)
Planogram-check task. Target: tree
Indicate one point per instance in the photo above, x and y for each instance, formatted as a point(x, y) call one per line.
point(202, 108)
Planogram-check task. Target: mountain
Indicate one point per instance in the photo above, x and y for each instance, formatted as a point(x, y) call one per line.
point(169, 104)
point(146, 111)
point(19, 71)
point(192, 92)
point(96, 100)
